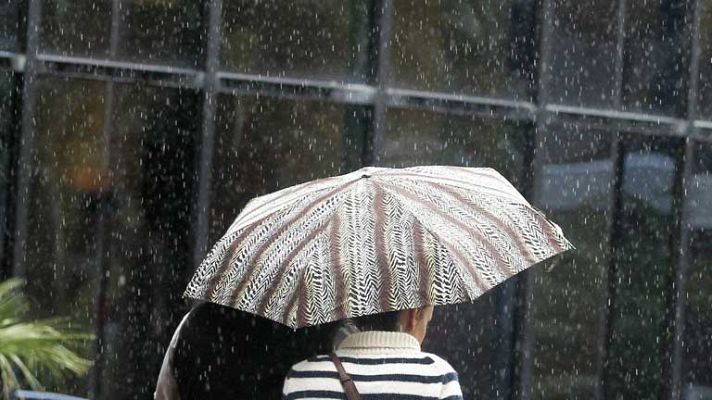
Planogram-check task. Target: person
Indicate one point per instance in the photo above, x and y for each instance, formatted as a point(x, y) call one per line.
point(218, 352)
point(383, 359)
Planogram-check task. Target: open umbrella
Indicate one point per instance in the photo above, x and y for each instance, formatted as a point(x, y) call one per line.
point(372, 241)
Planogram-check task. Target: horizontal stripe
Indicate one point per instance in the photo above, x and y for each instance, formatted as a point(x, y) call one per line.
point(324, 394)
point(446, 378)
point(376, 361)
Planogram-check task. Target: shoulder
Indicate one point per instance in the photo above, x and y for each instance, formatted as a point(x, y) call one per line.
point(440, 363)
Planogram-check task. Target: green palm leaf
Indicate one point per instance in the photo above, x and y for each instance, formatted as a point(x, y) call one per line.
point(30, 347)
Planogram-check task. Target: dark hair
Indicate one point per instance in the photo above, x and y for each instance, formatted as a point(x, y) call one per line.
point(387, 321)
point(221, 353)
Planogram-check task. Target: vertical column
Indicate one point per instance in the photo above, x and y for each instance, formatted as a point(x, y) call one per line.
point(207, 146)
point(27, 139)
point(384, 24)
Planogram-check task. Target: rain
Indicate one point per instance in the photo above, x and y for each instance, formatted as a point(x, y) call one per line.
point(134, 132)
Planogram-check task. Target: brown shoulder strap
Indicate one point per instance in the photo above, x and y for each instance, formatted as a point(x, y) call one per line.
point(346, 381)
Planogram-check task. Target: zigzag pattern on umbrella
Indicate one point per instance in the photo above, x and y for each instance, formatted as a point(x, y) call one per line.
point(372, 241)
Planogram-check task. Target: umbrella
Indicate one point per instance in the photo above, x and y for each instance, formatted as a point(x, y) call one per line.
point(372, 241)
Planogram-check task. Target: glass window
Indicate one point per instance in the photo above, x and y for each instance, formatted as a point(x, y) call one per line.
point(483, 48)
point(644, 268)
point(574, 191)
point(475, 338)
point(124, 215)
point(583, 53)
point(697, 365)
point(162, 31)
point(265, 144)
point(304, 38)
point(9, 24)
point(656, 56)
point(705, 80)
point(76, 28)
point(149, 31)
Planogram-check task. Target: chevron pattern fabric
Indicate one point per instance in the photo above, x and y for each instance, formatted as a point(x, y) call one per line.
point(375, 240)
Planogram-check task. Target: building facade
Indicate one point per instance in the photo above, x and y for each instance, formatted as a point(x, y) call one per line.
point(133, 131)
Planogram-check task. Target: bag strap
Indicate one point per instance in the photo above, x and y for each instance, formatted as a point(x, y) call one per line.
point(346, 381)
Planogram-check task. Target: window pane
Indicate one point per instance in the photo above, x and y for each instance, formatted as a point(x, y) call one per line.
point(77, 28)
point(9, 24)
point(265, 144)
point(475, 338)
point(66, 195)
point(484, 48)
point(164, 32)
point(304, 38)
point(697, 365)
point(122, 214)
point(705, 38)
point(575, 192)
point(643, 270)
point(583, 53)
point(656, 56)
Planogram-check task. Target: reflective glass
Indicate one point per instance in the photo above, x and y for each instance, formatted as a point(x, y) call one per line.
point(76, 28)
point(265, 144)
point(471, 47)
point(644, 268)
point(697, 364)
point(475, 338)
point(162, 31)
point(575, 192)
point(9, 24)
point(705, 64)
point(109, 230)
point(656, 56)
point(304, 38)
point(583, 53)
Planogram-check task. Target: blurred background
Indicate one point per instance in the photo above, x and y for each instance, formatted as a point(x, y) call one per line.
point(132, 132)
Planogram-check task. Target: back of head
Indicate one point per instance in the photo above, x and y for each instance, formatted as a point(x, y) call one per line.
point(225, 353)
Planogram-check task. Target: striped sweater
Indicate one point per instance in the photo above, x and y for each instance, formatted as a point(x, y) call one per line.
point(383, 365)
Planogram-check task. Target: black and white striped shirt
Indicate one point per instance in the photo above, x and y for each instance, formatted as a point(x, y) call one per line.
point(383, 365)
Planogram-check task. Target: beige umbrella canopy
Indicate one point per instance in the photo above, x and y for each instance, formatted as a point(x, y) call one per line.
point(375, 240)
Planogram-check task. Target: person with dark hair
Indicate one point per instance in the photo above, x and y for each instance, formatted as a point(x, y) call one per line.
point(219, 352)
point(381, 358)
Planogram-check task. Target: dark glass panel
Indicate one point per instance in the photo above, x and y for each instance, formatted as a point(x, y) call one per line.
point(162, 31)
point(76, 28)
point(644, 268)
point(583, 53)
point(265, 144)
point(656, 56)
point(304, 38)
point(9, 24)
point(122, 214)
point(574, 190)
point(483, 48)
point(67, 187)
point(697, 363)
point(475, 338)
point(705, 63)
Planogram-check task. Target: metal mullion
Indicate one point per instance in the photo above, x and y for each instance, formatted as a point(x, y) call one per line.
point(606, 302)
point(524, 323)
point(207, 146)
point(27, 139)
point(694, 68)
point(620, 60)
point(384, 21)
point(672, 368)
point(615, 230)
point(103, 229)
